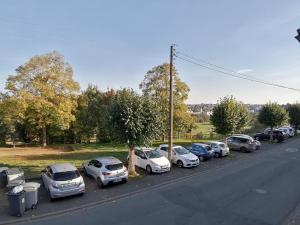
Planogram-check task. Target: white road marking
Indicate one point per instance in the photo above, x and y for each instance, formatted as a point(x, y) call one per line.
point(261, 191)
point(291, 150)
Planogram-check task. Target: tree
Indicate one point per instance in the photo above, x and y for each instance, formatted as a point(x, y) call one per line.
point(272, 115)
point(156, 86)
point(229, 116)
point(294, 114)
point(133, 120)
point(45, 89)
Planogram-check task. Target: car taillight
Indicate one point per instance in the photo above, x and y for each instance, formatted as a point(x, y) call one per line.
point(105, 173)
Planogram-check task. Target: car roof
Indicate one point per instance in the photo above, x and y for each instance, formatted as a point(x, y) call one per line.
point(200, 144)
point(144, 149)
point(108, 160)
point(215, 142)
point(240, 136)
point(166, 145)
point(62, 167)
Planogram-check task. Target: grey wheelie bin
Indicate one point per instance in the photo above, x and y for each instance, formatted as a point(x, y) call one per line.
point(16, 200)
point(3, 177)
point(31, 194)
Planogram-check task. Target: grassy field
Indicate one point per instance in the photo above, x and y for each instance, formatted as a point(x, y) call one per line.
point(33, 159)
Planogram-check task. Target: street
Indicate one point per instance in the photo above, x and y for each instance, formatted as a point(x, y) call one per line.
point(262, 190)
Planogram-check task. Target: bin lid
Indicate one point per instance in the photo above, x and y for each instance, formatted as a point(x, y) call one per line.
point(17, 189)
point(12, 171)
point(31, 185)
point(3, 169)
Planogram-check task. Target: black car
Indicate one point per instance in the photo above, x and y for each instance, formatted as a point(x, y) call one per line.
point(203, 151)
point(277, 135)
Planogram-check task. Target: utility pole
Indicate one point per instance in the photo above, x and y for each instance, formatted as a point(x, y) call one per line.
point(170, 153)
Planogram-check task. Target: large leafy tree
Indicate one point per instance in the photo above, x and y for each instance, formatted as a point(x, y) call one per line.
point(294, 114)
point(45, 89)
point(132, 120)
point(156, 85)
point(91, 105)
point(229, 116)
point(273, 115)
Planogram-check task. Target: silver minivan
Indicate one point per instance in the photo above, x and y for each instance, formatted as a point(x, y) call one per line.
point(241, 143)
point(62, 180)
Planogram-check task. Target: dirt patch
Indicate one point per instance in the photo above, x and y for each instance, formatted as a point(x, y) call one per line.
point(30, 151)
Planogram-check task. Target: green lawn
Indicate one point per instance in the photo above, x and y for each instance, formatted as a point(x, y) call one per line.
point(33, 159)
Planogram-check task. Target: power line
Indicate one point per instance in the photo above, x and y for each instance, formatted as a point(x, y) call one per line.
point(233, 74)
point(218, 66)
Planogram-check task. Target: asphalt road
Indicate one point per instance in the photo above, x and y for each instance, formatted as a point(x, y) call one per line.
point(262, 190)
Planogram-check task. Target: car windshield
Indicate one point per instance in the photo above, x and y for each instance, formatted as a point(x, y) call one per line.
point(64, 176)
point(222, 145)
point(113, 167)
point(153, 154)
point(208, 148)
point(181, 151)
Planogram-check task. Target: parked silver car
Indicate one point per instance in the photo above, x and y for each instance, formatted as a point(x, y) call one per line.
point(62, 180)
point(106, 170)
point(241, 143)
point(220, 149)
point(257, 143)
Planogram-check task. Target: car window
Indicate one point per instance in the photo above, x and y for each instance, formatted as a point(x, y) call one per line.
point(49, 172)
point(164, 148)
point(213, 145)
point(152, 154)
point(181, 151)
point(64, 176)
point(242, 140)
point(113, 167)
point(98, 164)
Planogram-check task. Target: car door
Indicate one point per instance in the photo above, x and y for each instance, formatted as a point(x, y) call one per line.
point(195, 149)
point(143, 159)
point(88, 167)
point(215, 147)
point(138, 160)
point(96, 169)
point(164, 151)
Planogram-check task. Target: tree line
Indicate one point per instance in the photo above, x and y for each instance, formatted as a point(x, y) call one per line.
point(43, 104)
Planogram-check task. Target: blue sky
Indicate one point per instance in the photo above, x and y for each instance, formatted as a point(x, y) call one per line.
point(114, 43)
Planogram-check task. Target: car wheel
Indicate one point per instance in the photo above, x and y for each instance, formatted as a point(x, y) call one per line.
point(201, 158)
point(100, 183)
point(179, 163)
point(148, 169)
point(243, 149)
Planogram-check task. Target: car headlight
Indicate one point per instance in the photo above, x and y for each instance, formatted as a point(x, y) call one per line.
point(55, 185)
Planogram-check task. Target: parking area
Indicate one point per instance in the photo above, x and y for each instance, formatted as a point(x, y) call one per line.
point(95, 195)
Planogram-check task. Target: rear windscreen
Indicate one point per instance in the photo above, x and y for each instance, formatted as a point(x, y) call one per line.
point(114, 166)
point(64, 176)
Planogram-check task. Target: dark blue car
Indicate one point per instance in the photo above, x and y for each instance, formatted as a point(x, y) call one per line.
point(203, 151)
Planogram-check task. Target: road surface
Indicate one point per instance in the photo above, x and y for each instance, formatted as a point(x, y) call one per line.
point(262, 190)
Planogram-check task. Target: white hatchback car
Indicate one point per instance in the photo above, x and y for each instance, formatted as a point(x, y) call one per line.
point(181, 156)
point(220, 148)
point(106, 170)
point(62, 180)
point(151, 160)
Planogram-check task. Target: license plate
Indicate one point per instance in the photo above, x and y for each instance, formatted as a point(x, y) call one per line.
point(117, 180)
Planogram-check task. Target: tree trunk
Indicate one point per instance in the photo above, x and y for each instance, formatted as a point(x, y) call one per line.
point(44, 137)
point(131, 162)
